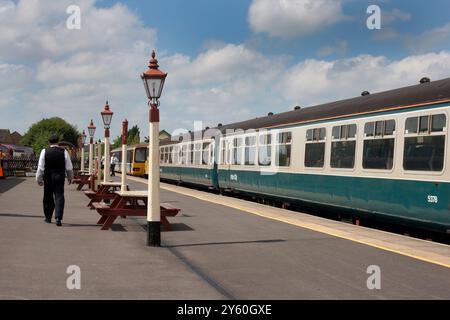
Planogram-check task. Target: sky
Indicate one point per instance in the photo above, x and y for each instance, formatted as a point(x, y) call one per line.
point(227, 60)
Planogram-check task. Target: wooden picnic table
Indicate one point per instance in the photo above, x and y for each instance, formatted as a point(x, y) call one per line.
point(131, 203)
point(83, 179)
point(106, 191)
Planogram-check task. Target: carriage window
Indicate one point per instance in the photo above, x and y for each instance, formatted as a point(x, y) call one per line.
point(411, 125)
point(378, 154)
point(425, 151)
point(170, 155)
point(343, 150)
point(426, 124)
point(175, 155)
point(197, 153)
point(265, 150)
point(191, 153)
point(438, 123)
point(368, 129)
point(140, 155)
point(205, 157)
point(236, 151)
point(184, 154)
point(161, 155)
point(315, 148)
point(283, 158)
point(222, 152)
point(250, 150)
point(379, 128)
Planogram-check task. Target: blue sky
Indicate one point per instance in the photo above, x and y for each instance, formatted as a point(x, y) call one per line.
point(227, 60)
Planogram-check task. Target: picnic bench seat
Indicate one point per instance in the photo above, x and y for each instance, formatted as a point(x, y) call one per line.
point(109, 213)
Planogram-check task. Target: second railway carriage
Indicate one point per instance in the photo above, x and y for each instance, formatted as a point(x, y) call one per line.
point(189, 161)
point(382, 156)
point(136, 158)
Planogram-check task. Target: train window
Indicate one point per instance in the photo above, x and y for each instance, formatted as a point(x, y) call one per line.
point(205, 156)
point(389, 127)
point(351, 133)
point(315, 134)
point(170, 154)
point(378, 154)
point(315, 155)
point(283, 158)
point(161, 155)
point(424, 153)
point(184, 154)
point(423, 124)
point(336, 132)
point(222, 152)
point(197, 159)
point(343, 151)
point(191, 153)
point(315, 150)
point(344, 132)
point(411, 125)
point(140, 155)
point(438, 122)
point(237, 151)
point(426, 124)
point(175, 155)
point(265, 150)
point(368, 129)
point(250, 150)
point(343, 154)
point(379, 128)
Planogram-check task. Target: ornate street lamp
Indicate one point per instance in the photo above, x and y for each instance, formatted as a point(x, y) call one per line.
point(153, 80)
point(82, 142)
point(91, 130)
point(107, 117)
point(124, 155)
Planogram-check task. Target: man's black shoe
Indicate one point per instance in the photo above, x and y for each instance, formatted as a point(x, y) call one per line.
point(48, 220)
point(58, 223)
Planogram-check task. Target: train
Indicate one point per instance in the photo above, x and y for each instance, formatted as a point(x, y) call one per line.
point(136, 159)
point(380, 156)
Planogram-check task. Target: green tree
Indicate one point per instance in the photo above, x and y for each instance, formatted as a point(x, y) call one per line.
point(133, 137)
point(38, 134)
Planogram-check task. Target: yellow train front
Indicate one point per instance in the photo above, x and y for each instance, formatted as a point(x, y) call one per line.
point(136, 159)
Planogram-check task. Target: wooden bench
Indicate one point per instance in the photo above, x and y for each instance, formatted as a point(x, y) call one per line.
point(128, 204)
point(105, 192)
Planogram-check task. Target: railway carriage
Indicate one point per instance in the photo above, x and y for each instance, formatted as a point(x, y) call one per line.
point(381, 156)
point(136, 158)
point(190, 161)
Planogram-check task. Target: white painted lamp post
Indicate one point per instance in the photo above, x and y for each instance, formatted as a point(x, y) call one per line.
point(153, 80)
point(91, 130)
point(124, 155)
point(82, 143)
point(106, 116)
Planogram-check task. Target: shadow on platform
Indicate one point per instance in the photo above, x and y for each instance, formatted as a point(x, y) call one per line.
point(9, 183)
point(226, 242)
point(20, 215)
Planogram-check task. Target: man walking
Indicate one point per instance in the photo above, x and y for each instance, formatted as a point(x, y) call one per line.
point(114, 162)
point(54, 164)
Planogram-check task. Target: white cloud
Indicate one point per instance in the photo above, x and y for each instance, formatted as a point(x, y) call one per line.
point(293, 18)
point(429, 40)
point(318, 81)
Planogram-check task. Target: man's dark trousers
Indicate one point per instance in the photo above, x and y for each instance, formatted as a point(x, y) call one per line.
point(54, 176)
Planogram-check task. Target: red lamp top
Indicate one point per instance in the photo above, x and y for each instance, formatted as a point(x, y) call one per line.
point(153, 78)
point(91, 128)
point(106, 115)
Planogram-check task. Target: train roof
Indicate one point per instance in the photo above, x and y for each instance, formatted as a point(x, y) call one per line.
point(426, 93)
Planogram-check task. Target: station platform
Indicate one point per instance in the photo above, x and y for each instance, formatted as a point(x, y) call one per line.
point(220, 248)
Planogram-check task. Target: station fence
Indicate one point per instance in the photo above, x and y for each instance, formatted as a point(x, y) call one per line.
point(26, 165)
